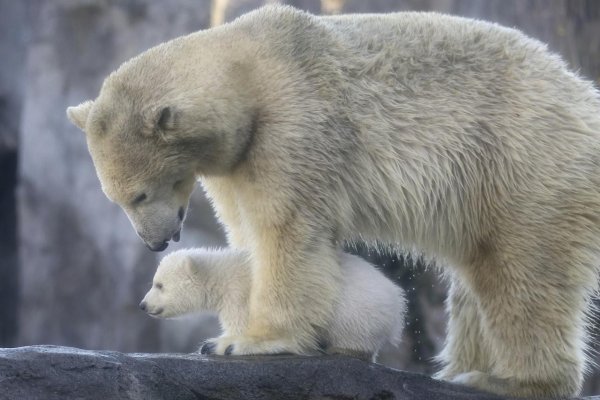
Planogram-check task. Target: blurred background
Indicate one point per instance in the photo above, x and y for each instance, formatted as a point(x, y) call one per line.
point(72, 270)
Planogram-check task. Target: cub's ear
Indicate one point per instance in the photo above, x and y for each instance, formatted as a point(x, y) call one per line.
point(160, 120)
point(190, 267)
point(78, 115)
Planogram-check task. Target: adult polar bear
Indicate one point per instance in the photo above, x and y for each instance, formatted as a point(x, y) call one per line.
point(462, 138)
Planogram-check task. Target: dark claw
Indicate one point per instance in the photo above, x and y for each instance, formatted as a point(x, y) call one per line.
point(208, 348)
point(229, 350)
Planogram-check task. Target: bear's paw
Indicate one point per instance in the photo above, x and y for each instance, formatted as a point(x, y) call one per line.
point(249, 345)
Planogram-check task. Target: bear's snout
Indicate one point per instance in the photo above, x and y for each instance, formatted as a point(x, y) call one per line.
point(143, 306)
point(159, 247)
point(165, 243)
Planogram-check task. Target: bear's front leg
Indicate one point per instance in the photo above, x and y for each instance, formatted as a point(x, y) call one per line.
point(295, 282)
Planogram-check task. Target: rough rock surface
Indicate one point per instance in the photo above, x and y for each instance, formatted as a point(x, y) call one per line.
point(54, 372)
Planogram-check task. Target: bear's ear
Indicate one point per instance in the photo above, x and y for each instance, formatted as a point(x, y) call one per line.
point(79, 115)
point(160, 120)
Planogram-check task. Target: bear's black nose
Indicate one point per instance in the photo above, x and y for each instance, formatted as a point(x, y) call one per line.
point(181, 213)
point(143, 306)
point(160, 247)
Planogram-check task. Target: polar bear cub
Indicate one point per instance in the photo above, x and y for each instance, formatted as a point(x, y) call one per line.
point(368, 314)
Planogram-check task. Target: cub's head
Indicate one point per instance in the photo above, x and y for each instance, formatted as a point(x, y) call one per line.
point(151, 140)
point(172, 293)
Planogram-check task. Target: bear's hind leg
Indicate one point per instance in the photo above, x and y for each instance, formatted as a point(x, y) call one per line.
point(533, 320)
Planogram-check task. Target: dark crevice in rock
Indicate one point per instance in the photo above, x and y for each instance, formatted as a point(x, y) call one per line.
point(9, 271)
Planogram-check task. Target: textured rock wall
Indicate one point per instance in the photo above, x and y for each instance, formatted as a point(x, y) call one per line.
point(83, 269)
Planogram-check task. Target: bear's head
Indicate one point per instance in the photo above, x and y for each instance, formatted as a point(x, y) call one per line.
point(150, 177)
point(152, 134)
point(176, 288)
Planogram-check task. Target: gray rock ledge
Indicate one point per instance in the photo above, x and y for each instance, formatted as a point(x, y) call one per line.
point(54, 372)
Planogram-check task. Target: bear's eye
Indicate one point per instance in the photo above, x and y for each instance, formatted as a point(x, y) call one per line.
point(139, 199)
point(177, 184)
point(159, 286)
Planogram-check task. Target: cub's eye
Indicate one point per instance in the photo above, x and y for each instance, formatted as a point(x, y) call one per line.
point(139, 199)
point(159, 286)
point(177, 184)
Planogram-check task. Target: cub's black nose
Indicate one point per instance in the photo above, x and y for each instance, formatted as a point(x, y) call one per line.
point(143, 306)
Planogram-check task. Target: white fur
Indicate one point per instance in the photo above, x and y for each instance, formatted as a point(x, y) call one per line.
point(369, 313)
point(466, 140)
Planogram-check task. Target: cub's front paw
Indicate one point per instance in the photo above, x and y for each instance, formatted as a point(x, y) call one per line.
point(246, 345)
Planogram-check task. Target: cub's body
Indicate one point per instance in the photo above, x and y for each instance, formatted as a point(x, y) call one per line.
point(368, 314)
